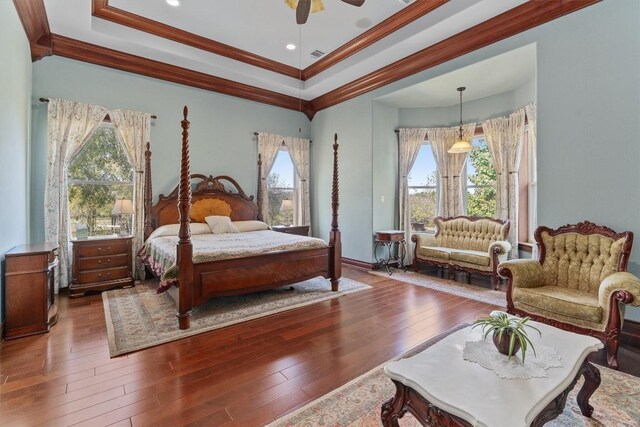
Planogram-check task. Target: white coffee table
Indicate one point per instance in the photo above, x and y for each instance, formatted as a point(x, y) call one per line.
point(439, 387)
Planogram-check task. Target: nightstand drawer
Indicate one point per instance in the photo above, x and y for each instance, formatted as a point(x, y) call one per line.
point(103, 248)
point(103, 275)
point(107, 261)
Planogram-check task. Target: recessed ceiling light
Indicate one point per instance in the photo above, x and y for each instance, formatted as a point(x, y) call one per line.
point(173, 3)
point(291, 46)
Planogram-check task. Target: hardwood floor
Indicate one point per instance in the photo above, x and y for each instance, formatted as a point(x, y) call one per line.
point(243, 375)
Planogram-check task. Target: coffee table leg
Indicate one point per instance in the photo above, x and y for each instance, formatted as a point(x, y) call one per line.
point(393, 409)
point(591, 383)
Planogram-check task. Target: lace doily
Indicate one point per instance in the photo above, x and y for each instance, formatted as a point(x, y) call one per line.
point(485, 354)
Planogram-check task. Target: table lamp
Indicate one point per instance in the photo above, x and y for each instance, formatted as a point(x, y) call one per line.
point(286, 207)
point(121, 208)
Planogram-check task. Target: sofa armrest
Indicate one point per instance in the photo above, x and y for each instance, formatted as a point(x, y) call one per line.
point(501, 249)
point(626, 285)
point(522, 273)
point(424, 239)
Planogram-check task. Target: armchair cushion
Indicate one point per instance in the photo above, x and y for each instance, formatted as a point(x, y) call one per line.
point(560, 301)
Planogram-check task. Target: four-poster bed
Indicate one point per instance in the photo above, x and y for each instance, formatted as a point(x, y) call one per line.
point(202, 280)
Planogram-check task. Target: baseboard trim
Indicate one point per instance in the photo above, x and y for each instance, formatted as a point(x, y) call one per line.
point(357, 264)
point(1, 331)
point(631, 333)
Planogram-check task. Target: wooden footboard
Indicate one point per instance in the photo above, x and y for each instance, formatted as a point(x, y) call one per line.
point(202, 281)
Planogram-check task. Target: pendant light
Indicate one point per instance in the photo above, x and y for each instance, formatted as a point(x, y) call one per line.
point(461, 146)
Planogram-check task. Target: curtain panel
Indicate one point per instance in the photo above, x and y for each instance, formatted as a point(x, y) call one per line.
point(268, 147)
point(409, 142)
point(69, 126)
point(134, 131)
point(441, 139)
point(532, 121)
point(299, 152)
point(505, 137)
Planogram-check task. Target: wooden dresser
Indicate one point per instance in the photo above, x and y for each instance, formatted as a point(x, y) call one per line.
point(30, 300)
point(101, 264)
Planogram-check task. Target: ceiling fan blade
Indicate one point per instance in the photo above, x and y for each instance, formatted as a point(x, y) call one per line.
point(357, 3)
point(302, 11)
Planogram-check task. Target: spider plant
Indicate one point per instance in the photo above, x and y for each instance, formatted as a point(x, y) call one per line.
point(500, 324)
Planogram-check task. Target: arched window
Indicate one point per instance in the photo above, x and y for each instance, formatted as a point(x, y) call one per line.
point(97, 177)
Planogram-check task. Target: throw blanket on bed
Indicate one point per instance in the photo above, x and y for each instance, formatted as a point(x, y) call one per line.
point(160, 253)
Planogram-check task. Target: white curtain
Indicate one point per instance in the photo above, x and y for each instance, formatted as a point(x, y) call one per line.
point(532, 120)
point(268, 146)
point(299, 152)
point(69, 125)
point(457, 163)
point(409, 144)
point(134, 131)
point(441, 139)
point(505, 136)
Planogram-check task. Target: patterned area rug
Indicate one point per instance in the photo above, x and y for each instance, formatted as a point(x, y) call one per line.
point(477, 293)
point(138, 318)
point(358, 403)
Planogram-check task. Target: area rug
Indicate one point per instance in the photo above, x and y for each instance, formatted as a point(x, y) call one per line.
point(476, 293)
point(138, 318)
point(358, 403)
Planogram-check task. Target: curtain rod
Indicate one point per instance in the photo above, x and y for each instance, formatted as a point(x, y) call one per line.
point(256, 134)
point(47, 100)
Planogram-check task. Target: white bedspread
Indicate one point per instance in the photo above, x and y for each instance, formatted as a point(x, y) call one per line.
point(160, 253)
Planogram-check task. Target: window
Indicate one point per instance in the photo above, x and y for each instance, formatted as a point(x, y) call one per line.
point(481, 180)
point(423, 190)
point(280, 188)
point(98, 176)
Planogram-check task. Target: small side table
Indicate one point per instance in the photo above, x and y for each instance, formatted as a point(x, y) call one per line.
point(388, 239)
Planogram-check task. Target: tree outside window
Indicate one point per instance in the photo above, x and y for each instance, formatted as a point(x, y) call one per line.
point(481, 181)
point(280, 188)
point(98, 176)
point(423, 190)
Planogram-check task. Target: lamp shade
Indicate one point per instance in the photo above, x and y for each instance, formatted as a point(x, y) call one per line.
point(460, 147)
point(286, 206)
point(316, 5)
point(122, 207)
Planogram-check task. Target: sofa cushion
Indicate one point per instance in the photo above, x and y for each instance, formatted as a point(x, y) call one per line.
point(434, 252)
point(562, 301)
point(471, 257)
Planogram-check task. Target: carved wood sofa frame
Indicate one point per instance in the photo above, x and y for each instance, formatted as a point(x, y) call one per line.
point(451, 268)
point(202, 281)
point(613, 330)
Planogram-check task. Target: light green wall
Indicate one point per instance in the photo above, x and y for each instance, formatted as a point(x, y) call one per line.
point(385, 167)
point(221, 133)
point(588, 100)
point(15, 90)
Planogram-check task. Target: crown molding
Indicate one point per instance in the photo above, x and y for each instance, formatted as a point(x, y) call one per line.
point(94, 54)
point(514, 21)
point(36, 26)
point(101, 9)
point(415, 10)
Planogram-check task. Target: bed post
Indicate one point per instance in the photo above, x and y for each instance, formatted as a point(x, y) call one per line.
point(335, 254)
point(259, 192)
point(185, 249)
point(148, 194)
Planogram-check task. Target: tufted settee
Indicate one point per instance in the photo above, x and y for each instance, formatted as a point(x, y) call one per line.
point(472, 244)
point(579, 284)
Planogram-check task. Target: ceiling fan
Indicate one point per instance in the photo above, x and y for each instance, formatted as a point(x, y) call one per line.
point(304, 7)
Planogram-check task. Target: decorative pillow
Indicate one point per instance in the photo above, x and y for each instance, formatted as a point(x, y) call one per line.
point(250, 226)
point(172, 230)
point(221, 224)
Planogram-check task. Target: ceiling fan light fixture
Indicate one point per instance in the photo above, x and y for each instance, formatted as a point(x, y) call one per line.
point(461, 146)
point(316, 5)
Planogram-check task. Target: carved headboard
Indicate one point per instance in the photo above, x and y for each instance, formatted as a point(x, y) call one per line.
point(210, 196)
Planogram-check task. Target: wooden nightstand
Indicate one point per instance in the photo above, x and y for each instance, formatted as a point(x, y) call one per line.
point(300, 230)
point(29, 295)
point(101, 264)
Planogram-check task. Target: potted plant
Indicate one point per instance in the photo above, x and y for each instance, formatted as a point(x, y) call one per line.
point(509, 333)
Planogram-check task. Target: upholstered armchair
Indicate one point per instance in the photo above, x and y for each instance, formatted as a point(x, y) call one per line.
point(579, 284)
